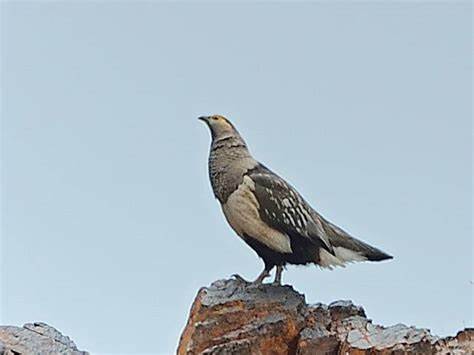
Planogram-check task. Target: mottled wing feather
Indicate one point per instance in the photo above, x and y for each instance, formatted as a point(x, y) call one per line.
point(283, 208)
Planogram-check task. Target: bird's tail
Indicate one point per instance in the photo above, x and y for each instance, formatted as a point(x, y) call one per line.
point(349, 249)
point(369, 252)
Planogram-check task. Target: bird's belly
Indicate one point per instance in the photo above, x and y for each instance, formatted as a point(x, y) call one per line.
point(241, 211)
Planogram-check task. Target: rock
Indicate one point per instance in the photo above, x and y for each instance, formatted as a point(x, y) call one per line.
point(230, 317)
point(233, 317)
point(35, 338)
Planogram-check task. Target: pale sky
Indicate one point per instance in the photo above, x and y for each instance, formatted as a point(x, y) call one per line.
point(109, 226)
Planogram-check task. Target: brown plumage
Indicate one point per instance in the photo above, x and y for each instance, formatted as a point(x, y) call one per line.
point(269, 214)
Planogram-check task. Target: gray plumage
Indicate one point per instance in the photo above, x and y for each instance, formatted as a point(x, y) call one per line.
point(269, 214)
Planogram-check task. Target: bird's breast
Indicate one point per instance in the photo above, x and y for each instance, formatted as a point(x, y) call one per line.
point(226, 170)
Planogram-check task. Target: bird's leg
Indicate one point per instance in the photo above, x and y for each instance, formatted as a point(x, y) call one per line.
point(263, 275)
point(279, 271)
point(258, 281)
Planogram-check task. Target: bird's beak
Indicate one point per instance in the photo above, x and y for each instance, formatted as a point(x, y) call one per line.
point(204, 119)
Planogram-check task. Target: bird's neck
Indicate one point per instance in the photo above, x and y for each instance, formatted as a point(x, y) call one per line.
point(228, 141)
point(228, 150)
point(229, 160)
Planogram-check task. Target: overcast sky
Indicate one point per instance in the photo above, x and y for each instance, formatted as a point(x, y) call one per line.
point(109, 226)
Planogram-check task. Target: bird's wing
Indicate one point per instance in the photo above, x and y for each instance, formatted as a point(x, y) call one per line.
point(283, 208)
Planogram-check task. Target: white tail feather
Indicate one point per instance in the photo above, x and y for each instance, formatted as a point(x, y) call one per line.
point(341, 257)
point(327, 260)
point(348, 255)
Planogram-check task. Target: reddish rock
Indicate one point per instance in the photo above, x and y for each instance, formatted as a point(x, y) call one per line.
point(229, 317)
point(232, 317)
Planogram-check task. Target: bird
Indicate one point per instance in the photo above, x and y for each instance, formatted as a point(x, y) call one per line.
point(270, 215)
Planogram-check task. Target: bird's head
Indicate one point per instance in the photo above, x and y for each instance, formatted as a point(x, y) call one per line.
point(220, 127)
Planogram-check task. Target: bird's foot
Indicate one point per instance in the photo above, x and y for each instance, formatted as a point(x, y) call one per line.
point(259, 280)
point(246, 283)
point(255, 283)
point(240, 279)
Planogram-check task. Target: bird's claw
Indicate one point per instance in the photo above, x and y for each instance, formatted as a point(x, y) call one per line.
point(240, 278)
point(251, 284)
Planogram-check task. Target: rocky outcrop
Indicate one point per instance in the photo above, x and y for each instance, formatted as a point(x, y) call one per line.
point(232, 317)
point(35, 338)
